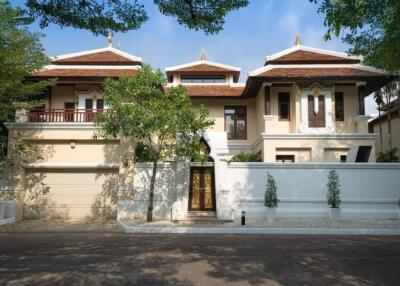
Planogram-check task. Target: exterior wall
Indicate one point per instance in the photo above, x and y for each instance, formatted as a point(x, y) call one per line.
point(68, 93)
point(350, 96)
point(395, 134)
point(367, 191)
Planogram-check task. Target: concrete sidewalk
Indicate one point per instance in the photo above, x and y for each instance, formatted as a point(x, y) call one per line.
point(280, 226)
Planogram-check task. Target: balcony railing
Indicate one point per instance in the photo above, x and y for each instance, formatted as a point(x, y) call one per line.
point(62, 115)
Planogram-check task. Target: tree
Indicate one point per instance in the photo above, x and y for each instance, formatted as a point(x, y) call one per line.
point(333, 185)
point(271, 197)
point(372, 28)
point(162, 123)
point(103, 16)
point(20, 54)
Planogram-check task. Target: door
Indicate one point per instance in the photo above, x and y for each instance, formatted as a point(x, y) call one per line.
point(202, 189)
point(69, 111)
point(88, 110)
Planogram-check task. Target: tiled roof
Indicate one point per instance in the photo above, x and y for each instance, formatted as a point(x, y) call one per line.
point(317, 73)
point(203, 68)
point(62, 73)
point(100, 58)
point(302, 56)
point(213, 90)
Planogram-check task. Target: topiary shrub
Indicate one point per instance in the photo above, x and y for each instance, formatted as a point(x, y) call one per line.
point(333, 185)
point(245, 157)
point(271, 196)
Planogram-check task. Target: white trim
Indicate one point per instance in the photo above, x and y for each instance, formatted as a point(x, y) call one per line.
point(51, 125)
point(69, 166)
point(328, 136)
point(95, 51)
point(88, 67)
point(310, 66)
point(310, 49)
point(228, 84)
point(312, 165)
point(173, 68)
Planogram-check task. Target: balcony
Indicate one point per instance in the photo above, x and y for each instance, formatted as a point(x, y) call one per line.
point(57, 115)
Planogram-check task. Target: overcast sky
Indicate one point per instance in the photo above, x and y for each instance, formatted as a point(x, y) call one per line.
point(262, 28)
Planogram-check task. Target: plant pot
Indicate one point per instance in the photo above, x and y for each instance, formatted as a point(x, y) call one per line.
point(334, 214)
point(2, 209)
point(270, 214)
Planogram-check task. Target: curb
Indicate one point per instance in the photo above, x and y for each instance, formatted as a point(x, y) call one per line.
point(252, 230)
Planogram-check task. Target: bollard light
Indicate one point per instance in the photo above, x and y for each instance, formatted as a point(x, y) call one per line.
point(243, 218)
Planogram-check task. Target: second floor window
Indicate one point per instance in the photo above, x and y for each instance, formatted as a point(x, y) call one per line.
point(284, 105)
point(339, 106)
point(203, 78)
point(236, 122)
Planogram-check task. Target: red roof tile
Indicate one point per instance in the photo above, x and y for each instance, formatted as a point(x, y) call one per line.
point(212, 90)
point(317, 73)
point(301, 56)
point(100, 58)
point(60, 73)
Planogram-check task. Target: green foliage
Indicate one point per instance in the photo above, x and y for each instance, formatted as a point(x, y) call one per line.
point(245, 157)
point(162, 124)
point(103, 16)
point(271, 196)
point(20, 54)
point(371, 27)
point(333, 185)
point(388, 156)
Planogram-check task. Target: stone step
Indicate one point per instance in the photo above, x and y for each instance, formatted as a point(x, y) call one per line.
point(202, 214)
point(197, 221)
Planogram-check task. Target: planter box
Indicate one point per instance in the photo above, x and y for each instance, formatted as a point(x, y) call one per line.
point(334, 214)
point(270, 214)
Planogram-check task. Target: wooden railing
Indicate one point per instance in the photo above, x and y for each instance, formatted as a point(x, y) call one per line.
point(62, 115)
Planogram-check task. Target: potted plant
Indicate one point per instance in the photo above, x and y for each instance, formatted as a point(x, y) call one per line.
point(333, 195)
point(271, 198)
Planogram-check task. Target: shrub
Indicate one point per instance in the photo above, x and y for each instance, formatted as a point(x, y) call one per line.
point(388, 156)
point(271, 197)
point(333, 189)
point(246, 157)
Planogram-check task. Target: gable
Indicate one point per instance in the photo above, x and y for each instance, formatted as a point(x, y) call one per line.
point(98, 58)
point(310, 57)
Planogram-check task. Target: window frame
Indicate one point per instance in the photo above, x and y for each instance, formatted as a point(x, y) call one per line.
point(236, 107)
point(339, 118)
point(198, 78)
point(292, 158)
point(280, 102)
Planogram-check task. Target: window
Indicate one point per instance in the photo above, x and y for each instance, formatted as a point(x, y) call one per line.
point(339, 106)
point(284, 158)
point(236, 122)
point(343, 158)
point(284, 106)
point(203, 78)
point(363, 154)
point(316, 119)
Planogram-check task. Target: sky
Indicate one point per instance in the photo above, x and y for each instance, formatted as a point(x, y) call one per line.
point(250, 34)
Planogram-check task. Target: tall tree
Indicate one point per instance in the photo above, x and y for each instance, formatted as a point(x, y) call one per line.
point(163, 124)
point(371, 28)
point(103, 16)
point(20, 54)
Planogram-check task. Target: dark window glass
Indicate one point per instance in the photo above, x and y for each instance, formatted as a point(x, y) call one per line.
point(100, 104)
point(236, 122)
point(284, 106)
point(203, 78)
point(363, 154)
point(339, 106)
point(343, 158)
point(285, 158)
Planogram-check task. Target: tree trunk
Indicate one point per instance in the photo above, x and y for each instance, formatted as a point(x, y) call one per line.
point(389, 117)
point(151, 193)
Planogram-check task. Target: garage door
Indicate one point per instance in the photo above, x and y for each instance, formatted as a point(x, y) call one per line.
point(70, 194)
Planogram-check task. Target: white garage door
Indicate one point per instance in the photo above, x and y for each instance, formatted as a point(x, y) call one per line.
point(70, 194)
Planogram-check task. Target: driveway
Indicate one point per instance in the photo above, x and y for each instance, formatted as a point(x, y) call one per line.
point(161, 259)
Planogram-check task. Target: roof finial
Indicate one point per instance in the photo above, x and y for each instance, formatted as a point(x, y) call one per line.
point(109, 38)
point(203, 55)
point(298, 40)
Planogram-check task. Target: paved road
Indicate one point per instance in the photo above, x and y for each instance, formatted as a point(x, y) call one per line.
point(119, 259)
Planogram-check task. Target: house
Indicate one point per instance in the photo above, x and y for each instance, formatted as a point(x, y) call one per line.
point(304, 105)
point(379, 125)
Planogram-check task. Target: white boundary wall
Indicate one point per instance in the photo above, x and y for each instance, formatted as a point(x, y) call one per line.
point(367, 190)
